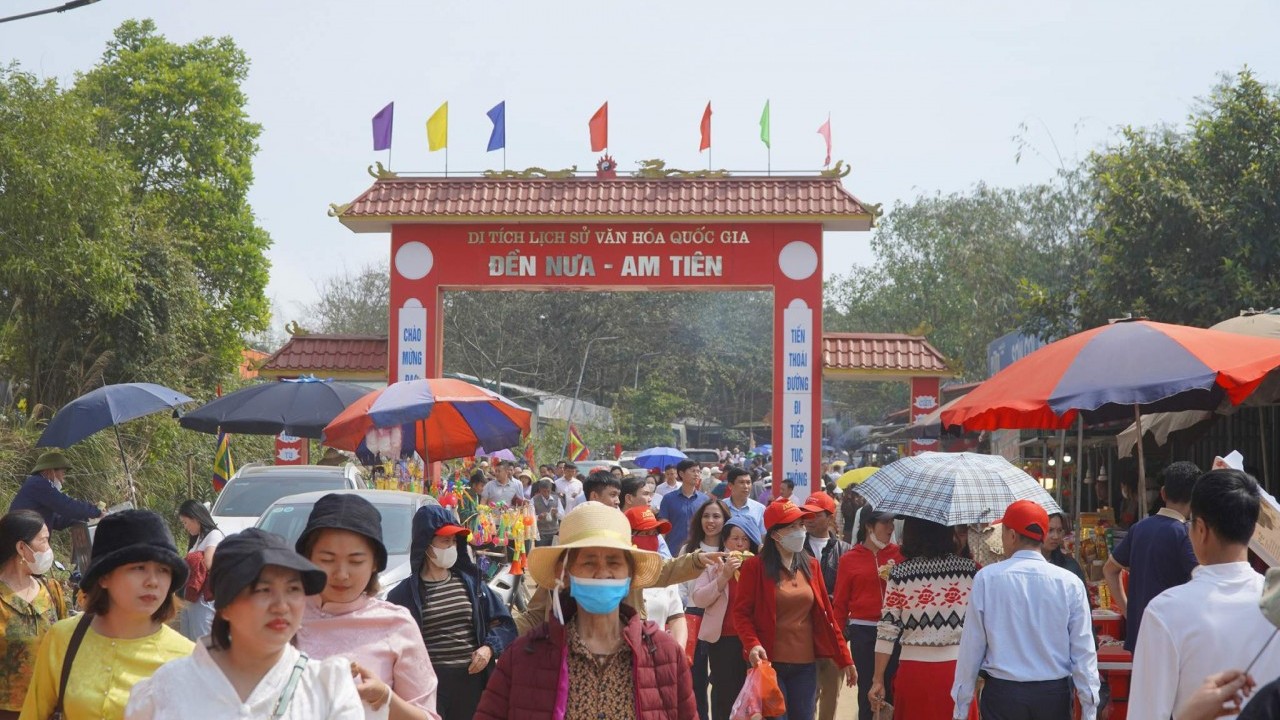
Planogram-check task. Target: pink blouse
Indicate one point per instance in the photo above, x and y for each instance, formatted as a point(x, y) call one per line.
point(381, 636)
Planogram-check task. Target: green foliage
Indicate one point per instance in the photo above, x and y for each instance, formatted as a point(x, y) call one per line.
point(176, 113)
point(1187, 219)
point(128, 250)
point(955, 267)
point(643, 415)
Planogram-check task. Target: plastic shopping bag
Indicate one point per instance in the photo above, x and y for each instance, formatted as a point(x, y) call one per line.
point(773, 704)
point(693, 622)
point(748, 705)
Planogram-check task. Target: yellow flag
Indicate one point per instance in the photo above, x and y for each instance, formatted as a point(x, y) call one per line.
point(438, 128)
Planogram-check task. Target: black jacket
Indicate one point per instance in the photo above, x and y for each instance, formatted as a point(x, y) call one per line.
point(490, 618)
point(830, 560)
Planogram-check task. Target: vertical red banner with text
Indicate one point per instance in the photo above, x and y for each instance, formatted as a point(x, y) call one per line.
point(291, 450)
point(925, 398)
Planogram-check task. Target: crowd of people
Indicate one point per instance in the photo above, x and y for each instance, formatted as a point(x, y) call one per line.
point(657, 597)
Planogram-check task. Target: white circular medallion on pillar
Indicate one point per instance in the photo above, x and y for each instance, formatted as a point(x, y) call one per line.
point(414, 260)
point(798, 260)
point(412, 303)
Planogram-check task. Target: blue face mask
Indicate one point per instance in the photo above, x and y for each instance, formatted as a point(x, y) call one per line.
point(598, 597)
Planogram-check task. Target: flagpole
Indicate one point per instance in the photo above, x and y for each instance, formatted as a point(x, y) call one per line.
point(446, 160)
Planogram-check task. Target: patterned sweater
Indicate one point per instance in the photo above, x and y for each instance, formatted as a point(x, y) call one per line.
point(924, 606)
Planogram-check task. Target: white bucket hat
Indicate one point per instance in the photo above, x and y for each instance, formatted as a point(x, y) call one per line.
point(594, 525)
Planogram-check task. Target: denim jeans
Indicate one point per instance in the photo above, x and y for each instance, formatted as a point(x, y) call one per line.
point(799, 683)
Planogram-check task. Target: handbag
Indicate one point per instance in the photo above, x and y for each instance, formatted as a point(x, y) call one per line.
point(286, 694)
point(76, 637)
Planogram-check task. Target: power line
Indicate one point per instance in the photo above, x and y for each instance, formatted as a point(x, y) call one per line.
point(72, 5)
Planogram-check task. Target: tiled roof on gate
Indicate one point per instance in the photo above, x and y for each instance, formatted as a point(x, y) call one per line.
point(471, 199)
point(883, 353)
point(342, 355)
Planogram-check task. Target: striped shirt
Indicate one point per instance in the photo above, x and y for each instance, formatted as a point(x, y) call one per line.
point(447, 622)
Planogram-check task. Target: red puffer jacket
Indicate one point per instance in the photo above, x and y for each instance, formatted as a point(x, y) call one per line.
point(530, 681)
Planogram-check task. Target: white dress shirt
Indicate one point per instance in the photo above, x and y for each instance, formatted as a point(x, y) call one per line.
point(1027, 621)
point(1191, 631)
point(569, 491)
point(194, 686)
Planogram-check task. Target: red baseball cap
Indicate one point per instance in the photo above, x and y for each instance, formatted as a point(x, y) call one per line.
point(451, 530)
point(783, 512)
point(642, 518)
point(1026, 518)
point(819, 502)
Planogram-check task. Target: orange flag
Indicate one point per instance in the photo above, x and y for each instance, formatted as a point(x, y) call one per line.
point(600, 129)
point(706, 129)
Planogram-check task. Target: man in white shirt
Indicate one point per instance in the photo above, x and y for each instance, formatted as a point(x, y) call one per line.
point(569, 487)
point(1028, 631)
point(670, 483)
point(1212, 622)
point(502, 489)
point(739, 500)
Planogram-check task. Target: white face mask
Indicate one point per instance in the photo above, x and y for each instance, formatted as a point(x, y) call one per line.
point(57, 485)
point(42, 562)
point(445, 557)
point(794, 541)
point(875, 541)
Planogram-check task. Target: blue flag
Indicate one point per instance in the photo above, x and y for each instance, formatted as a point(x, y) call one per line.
point(498, 138)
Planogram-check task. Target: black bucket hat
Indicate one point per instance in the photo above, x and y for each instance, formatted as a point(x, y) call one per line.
point(240, 560)
point(346, 511)
point(133, 536)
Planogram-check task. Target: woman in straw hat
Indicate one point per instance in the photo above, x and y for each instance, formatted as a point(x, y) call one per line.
point(134, 571)
point(248, 666)
point(783, 613)
point(596, 657)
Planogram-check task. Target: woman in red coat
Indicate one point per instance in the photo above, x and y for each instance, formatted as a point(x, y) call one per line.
point(596, 658)
point(859, 601)
point(782, 613)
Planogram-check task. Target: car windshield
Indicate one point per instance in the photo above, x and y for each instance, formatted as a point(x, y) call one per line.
point(252, 498)
point(288, 520)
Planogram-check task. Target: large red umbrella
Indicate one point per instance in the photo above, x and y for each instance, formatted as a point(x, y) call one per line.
point(440, 418)
point(1116, 371)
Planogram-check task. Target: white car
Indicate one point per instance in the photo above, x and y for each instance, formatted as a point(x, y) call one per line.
point(251, 491)
point(287, 517)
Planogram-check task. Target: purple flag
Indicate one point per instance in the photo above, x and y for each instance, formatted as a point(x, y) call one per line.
point(382, 127)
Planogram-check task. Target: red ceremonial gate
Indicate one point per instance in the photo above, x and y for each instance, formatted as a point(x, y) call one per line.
point(686, 232)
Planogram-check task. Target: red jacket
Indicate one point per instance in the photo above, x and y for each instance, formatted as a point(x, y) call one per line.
point(755, 612)
point(859, 587)
point(530, 681)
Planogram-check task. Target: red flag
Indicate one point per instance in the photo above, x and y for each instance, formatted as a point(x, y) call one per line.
point(528, 456)
point(617, 450)
point(706, 129)
point(600, 129)
point(825, 132)
point(577, 450)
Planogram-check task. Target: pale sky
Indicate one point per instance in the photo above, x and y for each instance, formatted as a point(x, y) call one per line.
point(924, 96)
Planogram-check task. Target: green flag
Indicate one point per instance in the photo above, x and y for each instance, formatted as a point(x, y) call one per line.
point(764, 126)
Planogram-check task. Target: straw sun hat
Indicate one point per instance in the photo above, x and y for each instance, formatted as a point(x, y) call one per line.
point(594, 525)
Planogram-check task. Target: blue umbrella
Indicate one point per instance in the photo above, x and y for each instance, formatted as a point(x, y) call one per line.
point(107, 407)
point(104, 408)
point(657, 458)
point(765, 449)
point(299, 407)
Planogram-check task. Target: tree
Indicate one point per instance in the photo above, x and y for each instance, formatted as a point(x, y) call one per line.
point(176, 113)
point(65, 255)
point(356, 304)
point(1187, 219)
point(644, 414)
point(957, 267)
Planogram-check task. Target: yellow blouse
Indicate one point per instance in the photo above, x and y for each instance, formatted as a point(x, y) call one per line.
point(22, 624)
point(104, 671)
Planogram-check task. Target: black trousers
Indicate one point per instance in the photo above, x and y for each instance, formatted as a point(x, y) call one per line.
point(862, 646)
point(728, 673)
point(701, 677)
point(1011, 700)
point(459, 692)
